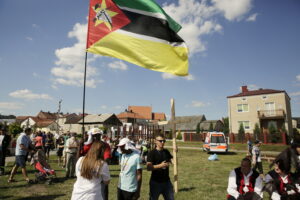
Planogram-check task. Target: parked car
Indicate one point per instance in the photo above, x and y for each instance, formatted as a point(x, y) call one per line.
point(215, 142)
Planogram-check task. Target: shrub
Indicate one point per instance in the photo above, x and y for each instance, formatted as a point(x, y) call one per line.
point(241, 134)
point(179, 136)
point(256, 132)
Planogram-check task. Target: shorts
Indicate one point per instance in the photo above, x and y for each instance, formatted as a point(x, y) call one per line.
point(21, 161)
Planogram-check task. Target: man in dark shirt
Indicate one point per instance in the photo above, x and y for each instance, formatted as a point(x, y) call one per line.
point(158, 162)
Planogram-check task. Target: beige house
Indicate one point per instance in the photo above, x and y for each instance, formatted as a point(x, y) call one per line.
point(262, 106)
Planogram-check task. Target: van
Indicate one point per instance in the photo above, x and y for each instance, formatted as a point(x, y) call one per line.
point(215, 142)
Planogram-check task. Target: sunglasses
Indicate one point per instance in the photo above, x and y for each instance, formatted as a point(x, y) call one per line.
point(161, 141)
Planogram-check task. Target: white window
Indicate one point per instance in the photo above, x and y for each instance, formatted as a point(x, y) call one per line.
point(246, 124)
point(270, 108)
point(243, 108)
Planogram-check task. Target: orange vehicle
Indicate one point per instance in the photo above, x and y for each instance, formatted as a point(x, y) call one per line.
point(215, 142)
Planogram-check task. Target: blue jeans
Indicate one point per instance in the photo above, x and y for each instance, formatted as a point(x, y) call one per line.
point(165, 188)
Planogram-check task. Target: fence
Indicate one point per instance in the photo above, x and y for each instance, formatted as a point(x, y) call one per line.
point(145, 132)
point(265, 137)
point(193, 137)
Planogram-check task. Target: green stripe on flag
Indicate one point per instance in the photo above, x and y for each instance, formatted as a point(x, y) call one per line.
point(148, 6)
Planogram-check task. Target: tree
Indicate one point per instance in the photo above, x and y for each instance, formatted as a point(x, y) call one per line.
point(256, 131)
point(15, 129)
point(273, 133)
point(241, 134)
point(211, 127)
point(283, 129)
point(198, 128)
point(179, 136)
point(226, 125)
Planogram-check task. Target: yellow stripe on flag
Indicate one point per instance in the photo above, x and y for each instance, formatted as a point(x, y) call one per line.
point(148, 54)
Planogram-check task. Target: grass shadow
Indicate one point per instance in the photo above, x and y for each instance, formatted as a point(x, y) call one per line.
point(44, 197)
point(5, 197)
point(186, 189)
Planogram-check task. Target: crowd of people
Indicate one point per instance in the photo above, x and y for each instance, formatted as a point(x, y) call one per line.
point(88, 159)
point(281, 183)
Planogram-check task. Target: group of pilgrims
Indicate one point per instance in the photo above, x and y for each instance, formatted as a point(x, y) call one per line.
point(92, 173)
point(282, 182)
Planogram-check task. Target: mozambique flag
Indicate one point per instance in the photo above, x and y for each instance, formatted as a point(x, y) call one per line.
point(139, 32)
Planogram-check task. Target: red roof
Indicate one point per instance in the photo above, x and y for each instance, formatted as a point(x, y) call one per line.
point(159, 116)
point(144, 111)
point(125, 115)
point(256, 92)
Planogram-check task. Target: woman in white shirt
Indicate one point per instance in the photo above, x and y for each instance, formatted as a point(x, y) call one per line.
point(91, 170)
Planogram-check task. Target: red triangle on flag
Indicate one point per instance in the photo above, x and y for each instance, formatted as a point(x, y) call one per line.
point(104, 18)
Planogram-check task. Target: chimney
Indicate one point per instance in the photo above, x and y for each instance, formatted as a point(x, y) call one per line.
point(244, 89)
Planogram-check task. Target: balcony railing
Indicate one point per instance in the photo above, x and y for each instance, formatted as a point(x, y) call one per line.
point(271, 113)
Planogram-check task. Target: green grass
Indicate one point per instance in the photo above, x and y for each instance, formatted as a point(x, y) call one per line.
point(264, 147)
point(198, 179)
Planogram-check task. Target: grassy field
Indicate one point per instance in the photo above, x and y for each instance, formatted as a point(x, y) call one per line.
point(264, 147)
point(198, 179)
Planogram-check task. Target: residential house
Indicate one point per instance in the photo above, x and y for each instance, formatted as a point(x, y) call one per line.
point(262, 106)
point(46, 125)
point(187, 124)
point(296, 122)
point(71, 124)
point(47, 115)
point(216, 125)
point(140, 115)
point(7, 119)
point(102, 120)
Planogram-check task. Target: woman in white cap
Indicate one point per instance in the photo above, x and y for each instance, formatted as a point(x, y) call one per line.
point(91, 171)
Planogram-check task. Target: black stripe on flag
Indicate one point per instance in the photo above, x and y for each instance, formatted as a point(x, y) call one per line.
point(150, 26)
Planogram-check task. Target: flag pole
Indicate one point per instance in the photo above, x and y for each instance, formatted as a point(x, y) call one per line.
point(175, 160)
point(83, 102)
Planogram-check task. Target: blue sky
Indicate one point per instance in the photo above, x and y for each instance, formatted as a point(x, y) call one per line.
point(232, 43)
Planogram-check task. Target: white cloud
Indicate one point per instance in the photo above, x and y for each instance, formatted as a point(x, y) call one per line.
point(11, 105)
point(35, 74)
point(200, 18)
point(190, 77)
point(117, 107)
point(198, 104)
point(168, 76)
point(28, 95)
point(233, 9)
point(35, 26)
point(118, 65)
point(298, 77)
point(252, 18)
point(71, 60)
point(29, 38)
point(103, 107)
point(253, 87)
point(295, 94)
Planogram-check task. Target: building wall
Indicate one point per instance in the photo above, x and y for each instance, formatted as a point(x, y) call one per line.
point(256, 103)
point(28, 123)
point(73, 128)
